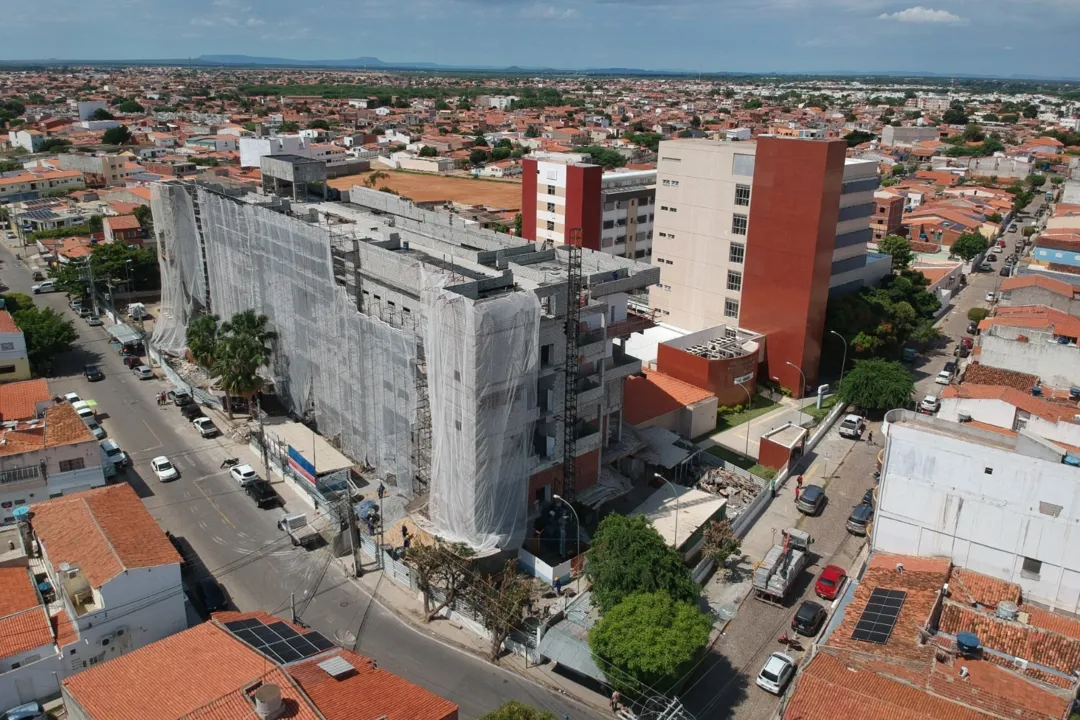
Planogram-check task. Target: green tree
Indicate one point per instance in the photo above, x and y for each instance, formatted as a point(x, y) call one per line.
point(501, 598)
point(55, 144)
point(478, 157)
point(130, 106)
point(95, 224)
point(441, 105)
point(695, 121)
point(119, 135)
point(202, 337)
point(977, 314)
point(515, 710)
point(517, 224)
point(955, 115)
point(440, 565)
point(500, 153)
point(532, 132)
point(505, 143)
point(480, 141)
point(1031, 112)
point(428, 151)
point(239, 352)
point(973, 133)
point(288, 127)
point(753, 104)
point(102, 114)
point(629, 556)
point(877, 384)
point(969, 246)
point(318, 124)
point(898, 169)
point(1036, 180)
point(649, 641)
point(858, 137)
point(994, 217)
point(250, 126)
point(900, 250)
point(9, 166)
point(47, 334)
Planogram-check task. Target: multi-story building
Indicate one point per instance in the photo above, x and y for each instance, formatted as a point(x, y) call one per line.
point(888, 215)
point(90, 578)
point(31, 185)
point(46, 457)
point(87, 108)
point(29, 140)
point(907, 136)
point(614, 210)
point(761, 234)
point(122, 229)
point(98, 170)
point(432, 349)
point(14, 363)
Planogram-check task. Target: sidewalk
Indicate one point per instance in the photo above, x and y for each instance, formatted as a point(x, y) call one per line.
point(787, 411)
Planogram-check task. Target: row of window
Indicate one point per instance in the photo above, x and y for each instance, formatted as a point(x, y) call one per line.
point(620, 204)
point(621, 222)
point(671, 183)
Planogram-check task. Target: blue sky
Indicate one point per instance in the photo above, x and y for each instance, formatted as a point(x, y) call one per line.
point(1002, 37)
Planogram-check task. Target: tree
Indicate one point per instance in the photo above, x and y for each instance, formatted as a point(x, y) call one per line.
point(1036, 180)
point(1010, 118)
point(877, 384)
point(978, 314)
point(239, 352)
point(500, 600)
point(441, 105)
point(95, 224)
point(695, 121)
point(428, 151)
point(318, 124)
point(969, 246)
point(119, 135)
point(505, 143)
point(288, 127)
point(990, 117)
point(900, 250)
point(130, 106)
point(55, 144)
point(629, 556)
point(478, 157)
point(1031, 112)
point(102, 114)
point(47, 334)
point(994, 217)
point(955, 115)
point(250, 126)
point(720, 541)
point(515, 710)
point(442, 566)
point(517, 224)
point(202, 337)
point(375, 177)
point(753, 104)
point(898, 169)
point(481, 141)
point(649, 641)
point(973, 133)
point(858, 137)
point(532, 132)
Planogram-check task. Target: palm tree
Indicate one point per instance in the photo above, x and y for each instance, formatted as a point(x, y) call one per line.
point(237, 359)
point(249, 324)
point(202, 337)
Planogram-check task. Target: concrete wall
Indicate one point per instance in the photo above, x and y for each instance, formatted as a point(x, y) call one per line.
point(1056, 365)
point(1039, 296)
point(985, 506)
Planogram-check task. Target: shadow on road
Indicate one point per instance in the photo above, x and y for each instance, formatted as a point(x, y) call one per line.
point(137, 483)
point(717, 688)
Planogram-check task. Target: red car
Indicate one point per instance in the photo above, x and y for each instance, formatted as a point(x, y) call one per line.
point(830, 582)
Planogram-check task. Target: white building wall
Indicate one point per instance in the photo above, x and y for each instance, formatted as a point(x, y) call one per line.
point(36, 677)
point(89, 107)
point(253, 149)
point(1054, 364)
point(984, 506)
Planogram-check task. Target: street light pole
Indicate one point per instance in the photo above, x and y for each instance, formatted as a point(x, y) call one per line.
point(577, 531)
point(803, 392)
point(675, 494)
point(844, 365)
point(749, 402)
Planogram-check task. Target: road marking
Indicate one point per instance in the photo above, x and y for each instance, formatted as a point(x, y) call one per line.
point(223, 517)
point(160, 444)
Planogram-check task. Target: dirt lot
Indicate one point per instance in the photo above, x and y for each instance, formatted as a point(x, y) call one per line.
point(495, 194)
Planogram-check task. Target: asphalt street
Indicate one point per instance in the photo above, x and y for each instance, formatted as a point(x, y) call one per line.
point(223, 533)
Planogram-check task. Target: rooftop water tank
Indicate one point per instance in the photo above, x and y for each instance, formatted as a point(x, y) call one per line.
point(1006, 610)
point(967, 643)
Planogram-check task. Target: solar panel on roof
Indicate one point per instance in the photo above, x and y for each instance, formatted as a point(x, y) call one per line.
point(283, 630)
point(265, 634)
point(302, 646)
point(241, 624)
point(318, 640)
point(247, 636)
point(283, 651)
point(879, 616)
point(273, 656)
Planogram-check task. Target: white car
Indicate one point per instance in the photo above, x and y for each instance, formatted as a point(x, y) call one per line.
point(143, 372)
point(852, 427)
point(943, 378)
point(929, 404)
point(163, 468)
point(777, 673)
point(205, 426)
point(990, 297)
point(45, 287)
point(244, 474)
point(84, 409)
point(97, 430)
point(72, 398)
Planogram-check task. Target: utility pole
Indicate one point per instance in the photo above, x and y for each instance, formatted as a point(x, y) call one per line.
point(93, 287)
point(262, 438)
point(351, 529)
point(292, 606)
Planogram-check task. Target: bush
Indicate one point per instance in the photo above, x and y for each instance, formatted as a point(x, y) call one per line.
point(978, 314)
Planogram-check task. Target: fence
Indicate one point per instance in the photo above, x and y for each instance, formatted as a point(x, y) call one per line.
point(201, 396)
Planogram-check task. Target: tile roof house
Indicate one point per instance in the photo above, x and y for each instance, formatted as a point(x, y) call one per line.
point(919, 671)
point(659, 400)
point(167, 680)
point(21, 400)
point(14, 361)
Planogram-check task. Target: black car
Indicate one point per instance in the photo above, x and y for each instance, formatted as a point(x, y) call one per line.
point(811, 499)
point(809, 618)
point(263, 493)
point(213, 595)
point(1005, 271)
point(868, 498)
point(93, 373)
point(860, 517)
point(191, 411)
point(950, 366)
point(972, 328)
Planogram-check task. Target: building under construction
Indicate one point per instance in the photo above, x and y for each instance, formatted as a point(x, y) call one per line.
point(474, 367)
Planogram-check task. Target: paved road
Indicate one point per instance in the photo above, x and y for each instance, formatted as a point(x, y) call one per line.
point(724, 687)
point(224, 533)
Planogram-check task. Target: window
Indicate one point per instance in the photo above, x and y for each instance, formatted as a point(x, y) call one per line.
point(7, 346)
point(606, 242)
point(737, 253)
point(671, 183)
point(551, 190)
point(620, 239)
point(665, 288)
point(988, 471)
point(1031, 569)
point(642, 218)
point(608, 224)
point(7, 369)
point(671, 159)
point(734, 280)
point(742, 195)
point(731, 308)
point(663, 207)
point(74, 464)
point(609, 206)
point(738, 224)
point(551, 207)
point(550, 224)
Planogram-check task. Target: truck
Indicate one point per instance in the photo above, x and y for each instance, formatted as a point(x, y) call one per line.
point(298, 528)
point(776, 573)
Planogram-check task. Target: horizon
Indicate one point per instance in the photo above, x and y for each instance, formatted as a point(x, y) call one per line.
point(759, 37)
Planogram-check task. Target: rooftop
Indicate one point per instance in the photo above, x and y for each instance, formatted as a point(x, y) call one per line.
point(24, 624)
point(19, 400)
point(678, 506)
point(656, 394)
point(60, 426)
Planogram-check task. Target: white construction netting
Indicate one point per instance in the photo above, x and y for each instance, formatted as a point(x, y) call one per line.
point(483, 362)
point(183, 283)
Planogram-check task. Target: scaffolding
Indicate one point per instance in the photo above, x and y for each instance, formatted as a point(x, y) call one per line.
point(570, 368)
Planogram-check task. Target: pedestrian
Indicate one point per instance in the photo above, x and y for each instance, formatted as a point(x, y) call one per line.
point(870, 436)
point(798, 482)
point(382, 493)
point(772, 487)
point(797, 489)
point(405, 543)
point(558, 586)
point(616, 701)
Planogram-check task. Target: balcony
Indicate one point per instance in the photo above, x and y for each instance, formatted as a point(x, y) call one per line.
point(589, 390)
point(634, 322)
point(591, 344)
point(587, 436)
point(615, 368)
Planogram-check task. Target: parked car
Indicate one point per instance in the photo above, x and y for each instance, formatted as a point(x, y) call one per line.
point(860, 517)
point(969, 342)
point(1012, 227)
point(84, 409)
point(243, 474)
point(809, 618)
point(84, 312)
point(830, 582)
point(94, 321)
point(1005, 271)
point(776, 673)
point(263, 493)
point(213, 595)
point(986, 267)
point(929, 404)
point(990, 258)
point(28, 711)
point(180, 398)
point(205, 426)
point(943, 378)
point(93, 373)
point(972, 328)
point(997, 249)
point(72, 397)
point(116, 456)
point(132, 361)
point(143, 373)
point(990, 297)
point(811, 499)
point(163, 468)
point(950, 366)
point(190, 412)
point(38, 276)
point(44, 287)
point(96, 429)
point(962, 351)
point(852, 427)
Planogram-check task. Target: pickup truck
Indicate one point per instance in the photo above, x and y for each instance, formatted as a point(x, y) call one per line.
point(852, 427)
point(296, 525)
point(205, 426)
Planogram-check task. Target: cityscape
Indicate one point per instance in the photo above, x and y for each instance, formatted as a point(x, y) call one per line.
point(488, 387)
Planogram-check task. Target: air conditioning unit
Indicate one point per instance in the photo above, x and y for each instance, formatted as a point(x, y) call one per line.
point(1020, 664)
point(963, 417)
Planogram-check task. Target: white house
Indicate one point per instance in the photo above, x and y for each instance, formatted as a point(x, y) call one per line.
point(252, 149)
point(1006, 504)
point(102, 580)
point(14, 364)
point(29, 140)
point(87, 108)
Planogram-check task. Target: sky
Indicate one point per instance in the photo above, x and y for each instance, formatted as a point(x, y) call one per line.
point(992, 37)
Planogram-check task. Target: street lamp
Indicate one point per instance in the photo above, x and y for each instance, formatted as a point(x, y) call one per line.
point(675, 541)
point(803, 392)
point(844, 366)
point(577, 529)
point(749, 402)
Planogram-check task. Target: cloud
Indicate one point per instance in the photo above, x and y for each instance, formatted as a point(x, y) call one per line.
point(920, 14)
point(1008, 47)
point(203, 22)
point(541, 11)
point(254, 22)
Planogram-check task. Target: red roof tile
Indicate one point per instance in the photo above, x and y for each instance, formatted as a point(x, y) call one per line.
point(656, 394)
point(972, 587)
point(122, 222)
point(18, 400)
point(1045, 647)
point(7, 323)
point(1055, 286)
point(23, 622)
